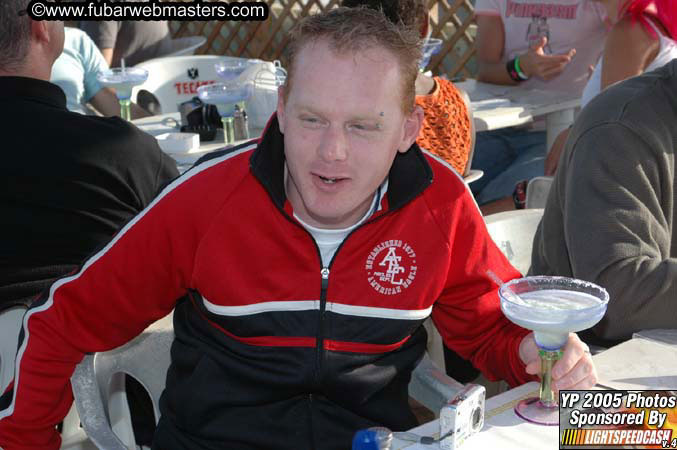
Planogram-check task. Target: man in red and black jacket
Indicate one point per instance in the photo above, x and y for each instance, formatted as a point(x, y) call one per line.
point(312, 258)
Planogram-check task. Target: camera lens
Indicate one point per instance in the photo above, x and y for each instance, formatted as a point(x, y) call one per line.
point(476, 417)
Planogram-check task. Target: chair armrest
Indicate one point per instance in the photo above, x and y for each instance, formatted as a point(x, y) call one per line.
point(431, 386)
point(93, 416)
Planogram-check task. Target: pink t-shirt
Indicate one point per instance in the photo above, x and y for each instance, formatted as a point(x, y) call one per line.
point(567, 24)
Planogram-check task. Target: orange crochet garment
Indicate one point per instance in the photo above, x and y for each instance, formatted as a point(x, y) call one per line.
point(446, 127)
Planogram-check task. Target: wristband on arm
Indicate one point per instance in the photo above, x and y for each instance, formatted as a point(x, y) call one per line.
point(515, 71)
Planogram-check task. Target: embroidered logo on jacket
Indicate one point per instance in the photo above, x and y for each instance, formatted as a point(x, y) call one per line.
point(391, 267)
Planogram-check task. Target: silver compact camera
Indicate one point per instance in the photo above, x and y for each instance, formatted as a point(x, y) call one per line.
point(462, 416)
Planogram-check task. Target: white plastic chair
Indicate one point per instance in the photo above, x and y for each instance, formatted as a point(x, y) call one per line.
point(175, 79)
point(537, 192)
point(98, 385)
point(186, 45)
point(10, 325)
point(513, 232)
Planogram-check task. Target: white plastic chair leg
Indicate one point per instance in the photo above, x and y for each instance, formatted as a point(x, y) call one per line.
point(118, 410)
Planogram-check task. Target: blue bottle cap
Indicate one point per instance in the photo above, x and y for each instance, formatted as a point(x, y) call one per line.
point(375, 438)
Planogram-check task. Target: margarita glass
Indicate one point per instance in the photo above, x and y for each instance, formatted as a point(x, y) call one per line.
point(431, 46)
point(551, 307)
point(231, 68)
point(123, 79)
point(225, 96)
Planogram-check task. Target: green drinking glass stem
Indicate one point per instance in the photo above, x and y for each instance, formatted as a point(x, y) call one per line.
point(125, 109)
point(228, 130)
point(548, 359)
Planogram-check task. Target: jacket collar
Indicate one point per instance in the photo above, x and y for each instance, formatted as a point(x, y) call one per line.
point(32, 89)
point(409, 175)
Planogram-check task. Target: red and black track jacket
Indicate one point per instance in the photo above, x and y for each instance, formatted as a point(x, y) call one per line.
point(273, 350)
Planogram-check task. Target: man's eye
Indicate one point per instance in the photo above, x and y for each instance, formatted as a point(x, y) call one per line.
point(361, 127)
point(310, 120)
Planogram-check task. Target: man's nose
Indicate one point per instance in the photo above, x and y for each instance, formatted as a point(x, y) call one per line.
point(334, 144)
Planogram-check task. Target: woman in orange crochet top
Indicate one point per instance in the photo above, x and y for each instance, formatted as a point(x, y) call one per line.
point(446, 130)
point(447, 127)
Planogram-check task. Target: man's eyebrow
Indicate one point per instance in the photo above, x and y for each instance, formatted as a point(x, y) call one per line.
point(369, 118)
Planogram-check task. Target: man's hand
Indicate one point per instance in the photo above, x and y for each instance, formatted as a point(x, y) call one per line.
point(536, 63)
point(575, 370)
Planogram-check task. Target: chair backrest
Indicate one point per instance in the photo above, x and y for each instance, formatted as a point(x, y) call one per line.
point(186, 45)
point(513, 232)
point(175, 79)
point(10, 325)
point(98, 384)
point(468, 107)
point(537, 192)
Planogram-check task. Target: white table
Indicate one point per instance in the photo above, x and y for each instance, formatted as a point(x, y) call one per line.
point(503, 429)
point(170, 122)
point(497, 106)
point(638, 364)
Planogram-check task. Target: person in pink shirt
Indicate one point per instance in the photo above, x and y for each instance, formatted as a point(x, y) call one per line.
point(630, 50)
point(538, 44)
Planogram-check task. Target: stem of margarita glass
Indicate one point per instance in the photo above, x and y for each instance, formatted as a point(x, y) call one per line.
point(548, 359)
point(125, 109)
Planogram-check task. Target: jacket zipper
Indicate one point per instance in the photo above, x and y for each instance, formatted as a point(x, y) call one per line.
point(319, 353)
point(324, 275)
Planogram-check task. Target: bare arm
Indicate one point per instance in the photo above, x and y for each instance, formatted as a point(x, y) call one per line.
point(490, 42)
point(107, 55)
point(489, 46)
point(107, 104)
point(627, 52)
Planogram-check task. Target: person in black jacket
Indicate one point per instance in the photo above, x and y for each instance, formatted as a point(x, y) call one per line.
point(69, 181)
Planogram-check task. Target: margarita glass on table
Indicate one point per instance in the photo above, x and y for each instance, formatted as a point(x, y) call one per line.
point(431, 46)
point(551, 307)
point(225, 96)
point(230, 67)
point(123, 79)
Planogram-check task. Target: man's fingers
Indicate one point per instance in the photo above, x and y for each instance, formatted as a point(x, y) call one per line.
point(575, 368)
point(534, 367)
point(582, 376)
point(574, 350)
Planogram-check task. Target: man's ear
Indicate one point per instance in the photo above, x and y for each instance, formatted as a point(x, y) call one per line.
point(40, 31)
point(281, 117)
point(412, 126)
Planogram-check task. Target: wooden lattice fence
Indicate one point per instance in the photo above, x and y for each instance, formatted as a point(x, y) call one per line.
point(451, 20)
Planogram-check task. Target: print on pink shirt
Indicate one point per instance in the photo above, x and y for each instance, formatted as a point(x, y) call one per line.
point(544, 10)
point(537, 29)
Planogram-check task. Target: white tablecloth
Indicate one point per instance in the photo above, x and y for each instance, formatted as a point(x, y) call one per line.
point(170, 122)
point(503, 429)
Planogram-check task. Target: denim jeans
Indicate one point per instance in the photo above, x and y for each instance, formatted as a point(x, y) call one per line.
point(507, 156)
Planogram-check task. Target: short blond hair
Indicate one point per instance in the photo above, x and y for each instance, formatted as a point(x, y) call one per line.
point(15, 38)
point(353, 30)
